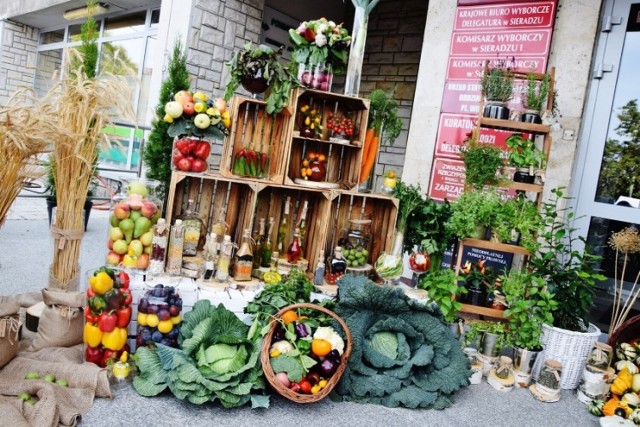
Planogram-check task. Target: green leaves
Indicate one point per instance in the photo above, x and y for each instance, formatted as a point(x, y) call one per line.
point(295, 366)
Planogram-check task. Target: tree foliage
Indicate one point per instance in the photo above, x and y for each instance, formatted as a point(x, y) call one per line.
point(620, 174)
point(157, 151)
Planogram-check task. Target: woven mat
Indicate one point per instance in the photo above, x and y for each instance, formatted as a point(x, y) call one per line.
point(56, 406)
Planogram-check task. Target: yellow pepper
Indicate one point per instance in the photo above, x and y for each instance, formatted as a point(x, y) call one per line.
point(101, 283)
point(92, 334)
point(115, 340)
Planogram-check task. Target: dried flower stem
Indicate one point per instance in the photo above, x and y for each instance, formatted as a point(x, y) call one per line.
point(628, 242)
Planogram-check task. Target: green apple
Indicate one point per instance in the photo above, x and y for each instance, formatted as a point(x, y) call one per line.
point(173, 109)
point(202, 121)
point(137, 187)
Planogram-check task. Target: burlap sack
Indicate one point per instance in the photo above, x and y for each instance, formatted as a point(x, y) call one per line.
point(9, 326)
point(62, 320)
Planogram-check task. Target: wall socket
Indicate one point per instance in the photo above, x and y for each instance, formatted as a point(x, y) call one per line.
point(568, 134)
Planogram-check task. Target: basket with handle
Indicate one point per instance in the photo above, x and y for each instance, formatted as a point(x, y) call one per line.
point(331, 382)
point(628, 331)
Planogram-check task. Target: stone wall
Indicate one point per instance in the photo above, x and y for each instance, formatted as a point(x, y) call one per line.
point(392, 56)
point(217, 29)
point(18, 45)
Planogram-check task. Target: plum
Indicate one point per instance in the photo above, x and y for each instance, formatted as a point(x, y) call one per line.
point(157, 336)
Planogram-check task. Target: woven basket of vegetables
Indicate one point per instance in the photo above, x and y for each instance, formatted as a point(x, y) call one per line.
point(303, 356)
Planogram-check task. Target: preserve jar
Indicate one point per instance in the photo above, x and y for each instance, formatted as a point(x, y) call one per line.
point(355, 242)
point(600, 357)
point(549, 377)
point(134, 212)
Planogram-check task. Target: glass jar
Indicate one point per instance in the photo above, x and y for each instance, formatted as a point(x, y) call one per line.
point(600, 357)
point(504, 367)
point(134, 211)
point(356, 240)
point(159, 316)
point(549, 377)
point(190, 154)
point(316, 76)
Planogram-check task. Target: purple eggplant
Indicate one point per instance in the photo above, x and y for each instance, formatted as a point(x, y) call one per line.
point(328, 367)
point(301, 330)
point(334, 356)
point(278, 335)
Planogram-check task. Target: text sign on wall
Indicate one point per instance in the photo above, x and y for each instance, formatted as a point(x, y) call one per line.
point(501, 43)
point(447, 179)
point(470, 68)
point(520, 15)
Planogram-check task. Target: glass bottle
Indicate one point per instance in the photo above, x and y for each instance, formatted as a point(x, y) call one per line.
point(320, 269)
point(176, 247)
point(159, 243)
point(224, 259)
point(600, 357)
point(210, 256)
point(244, 258)
point(192, 229)
point(259, 240)
point(294, 250)
point(267, 247)
point(283, 230)
point(549, 377)
point(273, 263)
point(302, 225)
point(337, 263)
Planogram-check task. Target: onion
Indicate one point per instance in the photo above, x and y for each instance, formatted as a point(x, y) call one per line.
point(283, 378)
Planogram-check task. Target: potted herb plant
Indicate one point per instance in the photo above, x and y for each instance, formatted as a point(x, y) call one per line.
point(441, 285)
point(473, 212)
point(483, 164)
point(530, 306)
point(497, 89)
point(489, 337)
point(537, 91)
point(427, 230)
point(479, 280)
point(518, 222)
point(525, 157)
point(258, 69)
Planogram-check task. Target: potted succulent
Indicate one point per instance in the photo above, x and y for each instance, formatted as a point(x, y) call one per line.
point(258, 69)
point(497, 89)
point(525, 157)
point(537, 91)
point(488, 337)
point(481, 162)
point(530, 306)
point(518, 222)
point(473, 212)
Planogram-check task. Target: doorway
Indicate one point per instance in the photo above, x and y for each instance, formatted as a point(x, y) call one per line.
point(607, 181)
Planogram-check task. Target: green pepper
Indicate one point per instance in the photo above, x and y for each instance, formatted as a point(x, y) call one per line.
point(97, 304)
point(244, 167)
point(107, 270)
point(304, 346)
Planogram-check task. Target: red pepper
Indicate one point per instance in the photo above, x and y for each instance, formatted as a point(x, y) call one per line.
point(193, 143)
point(93, 355)
point(203, 150)
point(122, 280)
point(89, 316)
point(90, 292)
point(264, 162)
point(109, 354)
point(107, 321)
point(124, 316)
point(127, 298)
point(183, 146)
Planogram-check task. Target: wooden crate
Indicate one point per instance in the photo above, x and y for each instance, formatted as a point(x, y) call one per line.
point(254, 128)
point(343, 158)
point(211, 194)
point(380, 209)
point(270, 203)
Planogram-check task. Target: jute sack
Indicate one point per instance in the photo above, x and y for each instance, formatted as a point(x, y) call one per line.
point(61, 322)
point(9, 326)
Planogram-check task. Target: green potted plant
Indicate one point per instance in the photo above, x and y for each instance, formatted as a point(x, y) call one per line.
point(483, 164)
point(489, 337)
point(479, 281)
point(427, 230)
point(530, 306)
point(518, 222)
point(473, 212)
point(537, 91)
point(497, 89)
point(258, 69)
point(441, 285)
point(525, 157)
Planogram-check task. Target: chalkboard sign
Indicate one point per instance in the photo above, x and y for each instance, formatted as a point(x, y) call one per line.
point(496, 260)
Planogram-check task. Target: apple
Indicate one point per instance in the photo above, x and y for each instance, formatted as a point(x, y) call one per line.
point(121, 211)
point(135, 248)
point(173, 109)
point(110, 244)
point(198, 165)
point(220, 104)
point(129, 261)
point(120, 247)
point(147, 238)
point(177, 156)
point(115, 233)
point(135, 201)
point(183, 97)
point(142, 262)
point(148, 209)
point(113, 258)
point(188, 109)
point(202, 121)
point(137, 187)
point(200, 96)
point(199, 107)
point(305, 79)
point(184, 165)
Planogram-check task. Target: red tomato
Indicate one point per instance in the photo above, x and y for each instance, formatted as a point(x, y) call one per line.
point(184, 165)
point(305, 386)
point(198, 165)
point(202, 150)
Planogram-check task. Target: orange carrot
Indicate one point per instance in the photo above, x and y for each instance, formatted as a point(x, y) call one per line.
point(367, 165)
point(366, 148)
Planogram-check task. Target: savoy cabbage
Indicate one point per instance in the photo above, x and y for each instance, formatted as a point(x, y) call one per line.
point(404, 354)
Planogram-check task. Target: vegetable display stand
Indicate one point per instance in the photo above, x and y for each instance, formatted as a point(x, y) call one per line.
point(270, 375)
point(224, 205)
point(270, 204)
point(329, 128)
point(258, 147)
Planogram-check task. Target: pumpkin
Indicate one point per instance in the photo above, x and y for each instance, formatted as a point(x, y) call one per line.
point(626, 351)
point(630, 366)
point(595, 407)
point(609, 408)
point(635, 416)
point(622, 383)
point(629, 402)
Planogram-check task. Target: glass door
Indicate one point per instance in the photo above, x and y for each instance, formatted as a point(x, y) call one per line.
point(607, 182)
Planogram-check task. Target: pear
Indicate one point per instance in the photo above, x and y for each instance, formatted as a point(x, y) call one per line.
point(142, 225)
point(135, 248)
point(147, 238)
point(130, 261)
point(134, 215)
point(156, 216)
point(115, 233)
point(127, 226)
point(120, 247)
point(114, 220)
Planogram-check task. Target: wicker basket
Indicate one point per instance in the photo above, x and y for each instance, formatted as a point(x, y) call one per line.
point(628, 331)
point(569, 348)
point(271, 376)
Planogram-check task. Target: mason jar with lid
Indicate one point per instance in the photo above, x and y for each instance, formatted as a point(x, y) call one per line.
point(600, 357)
point(549, 377)
point(355, 242)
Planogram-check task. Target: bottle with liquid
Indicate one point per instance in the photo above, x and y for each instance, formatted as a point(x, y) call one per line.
point(224, 259)
point(320, 269)
point(267, 247)
point(192, 228)
point(302, 225)
point(258, 247)
point(337, 263)
point(176, 247)
point(210, 256)
point(159, 243)
point(295, 250)
point(244, 258)
point(283, 230)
